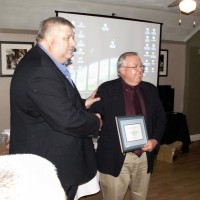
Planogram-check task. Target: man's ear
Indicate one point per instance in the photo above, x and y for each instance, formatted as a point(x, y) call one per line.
point(121, 70)
point(48, 40)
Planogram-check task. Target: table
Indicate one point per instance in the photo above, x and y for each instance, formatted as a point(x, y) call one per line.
point(177, 130)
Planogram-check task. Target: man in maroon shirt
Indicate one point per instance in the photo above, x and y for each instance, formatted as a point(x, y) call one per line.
point(127, 96)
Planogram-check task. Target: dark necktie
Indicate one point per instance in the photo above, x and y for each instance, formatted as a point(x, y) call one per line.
point(136, 102)
point(138, 111)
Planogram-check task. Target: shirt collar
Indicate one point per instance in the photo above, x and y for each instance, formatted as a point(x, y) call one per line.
point(128, 87)
point(61, 67)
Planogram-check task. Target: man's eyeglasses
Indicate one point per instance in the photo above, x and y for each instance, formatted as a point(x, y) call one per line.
point(142, 67)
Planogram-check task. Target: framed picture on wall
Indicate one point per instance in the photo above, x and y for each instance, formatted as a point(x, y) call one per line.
point(163, 64)
point(10, 55)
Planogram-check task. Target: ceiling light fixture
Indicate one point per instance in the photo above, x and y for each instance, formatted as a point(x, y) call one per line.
point(187, 6)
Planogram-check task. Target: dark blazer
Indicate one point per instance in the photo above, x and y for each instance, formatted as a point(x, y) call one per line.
point(49, 119)
point(109, 156)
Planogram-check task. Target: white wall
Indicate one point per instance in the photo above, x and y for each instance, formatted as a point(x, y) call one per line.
point(5, 103)
point(176, 71)
point(5, 81)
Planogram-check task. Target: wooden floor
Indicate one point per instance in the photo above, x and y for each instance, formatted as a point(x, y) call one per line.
point(177, 181)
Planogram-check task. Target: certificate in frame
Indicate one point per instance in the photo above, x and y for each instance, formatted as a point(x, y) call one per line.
point(132, 132)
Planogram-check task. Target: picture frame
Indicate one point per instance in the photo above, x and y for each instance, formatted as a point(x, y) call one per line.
point(163, 62)
point(132, 132)
point(10, 55)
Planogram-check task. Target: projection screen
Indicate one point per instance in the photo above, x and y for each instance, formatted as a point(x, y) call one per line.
point(102, 39)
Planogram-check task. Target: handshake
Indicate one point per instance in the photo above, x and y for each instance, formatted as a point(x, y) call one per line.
point(101, 122)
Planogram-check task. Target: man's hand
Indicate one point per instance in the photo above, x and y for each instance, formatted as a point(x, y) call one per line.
point(91, 99)
point(150, 145)
point(100, 120)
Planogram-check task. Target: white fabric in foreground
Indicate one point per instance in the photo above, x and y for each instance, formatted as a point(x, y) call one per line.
point(29, 177)
point(88, 188)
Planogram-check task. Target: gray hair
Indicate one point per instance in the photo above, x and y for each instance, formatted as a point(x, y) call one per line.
point(47, 26)
point(122, 58)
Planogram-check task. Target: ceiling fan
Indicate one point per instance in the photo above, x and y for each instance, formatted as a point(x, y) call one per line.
point(185, 6)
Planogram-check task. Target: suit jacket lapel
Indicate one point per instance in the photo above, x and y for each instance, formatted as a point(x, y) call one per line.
point(118, 97)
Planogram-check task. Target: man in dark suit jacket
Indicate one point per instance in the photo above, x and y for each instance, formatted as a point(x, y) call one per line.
point(118, 170)
point(48, 116)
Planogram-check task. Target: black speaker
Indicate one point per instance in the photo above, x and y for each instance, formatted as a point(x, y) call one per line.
point(166, 93)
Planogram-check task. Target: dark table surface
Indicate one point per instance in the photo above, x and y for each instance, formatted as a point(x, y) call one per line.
point(177, 130)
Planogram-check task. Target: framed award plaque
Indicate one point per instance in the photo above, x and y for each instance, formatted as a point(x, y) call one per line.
point(132, 132)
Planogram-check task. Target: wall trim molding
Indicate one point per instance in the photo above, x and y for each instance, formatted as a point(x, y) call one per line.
point(173, 42)
point(195, 137)
point(18, 31)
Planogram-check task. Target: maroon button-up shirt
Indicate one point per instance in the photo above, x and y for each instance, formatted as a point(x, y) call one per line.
point(128, 91)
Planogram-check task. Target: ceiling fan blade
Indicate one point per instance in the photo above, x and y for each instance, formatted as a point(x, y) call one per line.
point(175, 3)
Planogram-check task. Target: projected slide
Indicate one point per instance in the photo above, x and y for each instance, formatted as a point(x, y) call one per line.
point(101, 40)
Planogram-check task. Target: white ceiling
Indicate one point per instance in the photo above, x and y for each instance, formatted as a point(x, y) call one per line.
point(150, 4)
point(27, 14)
